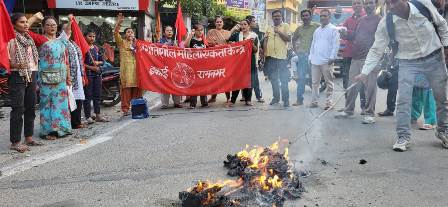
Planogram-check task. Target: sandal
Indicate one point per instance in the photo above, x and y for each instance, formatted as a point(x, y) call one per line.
point(126, 113)
point(34, 143)
point(101, 119)
point(79, 126)
point(21, 148)
point(426, 127)
point(49, 137)
point(248, 103)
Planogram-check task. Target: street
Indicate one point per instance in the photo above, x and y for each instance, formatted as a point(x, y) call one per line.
point(148, 162)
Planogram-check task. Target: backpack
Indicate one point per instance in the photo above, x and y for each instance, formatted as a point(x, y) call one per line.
point(385, 76)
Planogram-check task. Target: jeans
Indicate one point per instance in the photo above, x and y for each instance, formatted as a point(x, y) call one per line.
point(23, 104)
point(93, 93)
point(279, 76)
point(434, 69)
point(301, 65)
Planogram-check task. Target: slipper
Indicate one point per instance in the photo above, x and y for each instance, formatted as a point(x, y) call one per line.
point(21, 148)
point(79, 126)
point(249, 104)
point(34, 143)
point(127, 113)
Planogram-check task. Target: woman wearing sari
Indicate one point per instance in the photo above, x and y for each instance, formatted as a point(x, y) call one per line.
point(218, 36)
point(128, 67)
point(54, 77)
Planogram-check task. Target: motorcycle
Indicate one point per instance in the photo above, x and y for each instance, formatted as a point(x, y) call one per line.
point(110, 92)
point(4, 99)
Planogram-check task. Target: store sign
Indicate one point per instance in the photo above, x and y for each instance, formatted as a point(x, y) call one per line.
point(100, 4)
point(237, 3)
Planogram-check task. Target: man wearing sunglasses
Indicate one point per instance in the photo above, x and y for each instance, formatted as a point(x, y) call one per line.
point(421, 49)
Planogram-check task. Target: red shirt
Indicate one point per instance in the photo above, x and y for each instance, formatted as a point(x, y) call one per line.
point(39, 40)
point(350, 23)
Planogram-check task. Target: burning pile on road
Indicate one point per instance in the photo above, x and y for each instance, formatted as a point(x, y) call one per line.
point(266, 178)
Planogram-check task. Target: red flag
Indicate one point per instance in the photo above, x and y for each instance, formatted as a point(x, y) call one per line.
point(180, 25)
point(79, 39)
point(6, 34)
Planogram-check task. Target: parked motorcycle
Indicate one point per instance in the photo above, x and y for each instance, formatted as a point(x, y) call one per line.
point(110, 93)
point(4, 99)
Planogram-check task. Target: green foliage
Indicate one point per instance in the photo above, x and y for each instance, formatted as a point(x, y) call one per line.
point(198, 9)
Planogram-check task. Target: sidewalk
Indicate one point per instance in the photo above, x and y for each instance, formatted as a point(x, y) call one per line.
point(113, 113)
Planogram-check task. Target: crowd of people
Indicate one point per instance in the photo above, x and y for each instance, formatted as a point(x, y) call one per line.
point(421, 80)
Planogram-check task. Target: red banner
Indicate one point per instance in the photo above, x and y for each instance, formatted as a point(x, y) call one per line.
point(191, 72)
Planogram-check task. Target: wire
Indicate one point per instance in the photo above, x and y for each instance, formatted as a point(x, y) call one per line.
point(305, 133)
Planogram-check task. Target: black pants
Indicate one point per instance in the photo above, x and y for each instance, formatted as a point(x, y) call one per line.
point(216, 95)
point(392, 92)
point(194, 101)
point(23, 104)
point(92, 92)
point(247, 95)
point(76, 114)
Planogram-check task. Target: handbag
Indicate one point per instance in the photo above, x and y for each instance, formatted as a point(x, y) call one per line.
point(71, 99)
point(51, 76)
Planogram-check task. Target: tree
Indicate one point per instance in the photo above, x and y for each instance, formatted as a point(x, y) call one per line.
point(198, 9)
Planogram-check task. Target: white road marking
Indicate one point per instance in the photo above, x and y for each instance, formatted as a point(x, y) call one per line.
point(35, 161)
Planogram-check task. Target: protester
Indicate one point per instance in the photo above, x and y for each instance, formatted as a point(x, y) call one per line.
point(301, 42)
point(54, 77)
point(347, 53)
point(168, 39)
point(245, 34)
point(24, 57)
point(423, 102)
point(419, 51)
point(93, 61)
point(275, 51)
point(363, 38)
point(76, 64)
point(215, 37)
point(196, 40)
point(128, 68)
point(323, 53)
point(256, 81)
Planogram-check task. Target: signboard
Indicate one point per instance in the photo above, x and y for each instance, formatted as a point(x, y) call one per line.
point(237, 3)
point(132, 5)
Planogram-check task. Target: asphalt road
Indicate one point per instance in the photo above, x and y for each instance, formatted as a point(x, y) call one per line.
point(147, 162)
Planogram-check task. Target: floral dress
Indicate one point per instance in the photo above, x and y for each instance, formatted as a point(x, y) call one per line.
point(54, 108)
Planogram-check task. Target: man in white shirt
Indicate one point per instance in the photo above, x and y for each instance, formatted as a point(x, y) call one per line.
point(419, 51)
point(323, 53)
